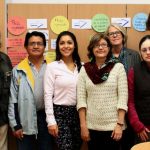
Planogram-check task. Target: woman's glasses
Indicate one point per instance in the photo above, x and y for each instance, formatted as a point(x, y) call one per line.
point(103, 45)
point(113, 34)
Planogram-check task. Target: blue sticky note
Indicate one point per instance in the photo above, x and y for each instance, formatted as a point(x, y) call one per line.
point(139, 22)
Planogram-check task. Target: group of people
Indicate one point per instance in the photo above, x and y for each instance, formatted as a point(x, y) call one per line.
point(104, 102)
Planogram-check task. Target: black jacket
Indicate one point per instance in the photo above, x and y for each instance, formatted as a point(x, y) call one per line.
point(5, 77)
point(142, 92)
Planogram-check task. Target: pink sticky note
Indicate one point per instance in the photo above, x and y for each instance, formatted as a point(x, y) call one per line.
point(14, 42)
point(16, 25)
point(16, 55)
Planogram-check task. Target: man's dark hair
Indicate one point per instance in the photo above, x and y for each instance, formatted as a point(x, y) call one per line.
point(34, 33)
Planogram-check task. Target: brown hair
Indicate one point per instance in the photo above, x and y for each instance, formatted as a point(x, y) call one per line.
point(94, 41)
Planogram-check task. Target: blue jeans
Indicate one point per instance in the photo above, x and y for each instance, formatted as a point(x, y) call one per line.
point(44, 140)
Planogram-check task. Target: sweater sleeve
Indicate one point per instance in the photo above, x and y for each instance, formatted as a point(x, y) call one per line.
point(81, 90)
point(122, 88)
point(132, 114)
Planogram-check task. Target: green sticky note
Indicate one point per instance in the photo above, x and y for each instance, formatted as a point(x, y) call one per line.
point(100, 22)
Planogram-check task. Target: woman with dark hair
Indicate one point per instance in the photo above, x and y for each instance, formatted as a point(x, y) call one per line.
point(102, 96)
point(139, 93)
point(60, 93)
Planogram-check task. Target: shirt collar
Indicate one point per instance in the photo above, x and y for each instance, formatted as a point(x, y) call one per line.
point(31, 64)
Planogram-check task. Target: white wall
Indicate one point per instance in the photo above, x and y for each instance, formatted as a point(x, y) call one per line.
point(81, 1)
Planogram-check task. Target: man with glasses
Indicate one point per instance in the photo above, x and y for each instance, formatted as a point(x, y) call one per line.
point(26, 105)
point(118, 37)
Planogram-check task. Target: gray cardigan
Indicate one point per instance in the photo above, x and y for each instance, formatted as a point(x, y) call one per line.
point(133, 58)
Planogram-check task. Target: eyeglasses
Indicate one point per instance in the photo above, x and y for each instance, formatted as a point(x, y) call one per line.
point(33, 44)
point(103, 45)
point(145, 50)
point(116, 33)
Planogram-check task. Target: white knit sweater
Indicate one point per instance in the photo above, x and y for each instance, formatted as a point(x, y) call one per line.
point(103, 100)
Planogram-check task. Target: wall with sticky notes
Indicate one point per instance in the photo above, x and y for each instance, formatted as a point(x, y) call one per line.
point(75, 17)
point(72, 17)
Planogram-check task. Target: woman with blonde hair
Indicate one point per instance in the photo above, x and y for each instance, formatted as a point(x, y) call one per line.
point(128, 57)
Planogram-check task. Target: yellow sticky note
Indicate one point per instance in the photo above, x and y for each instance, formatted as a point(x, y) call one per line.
point(50, 56)
point(59, 24)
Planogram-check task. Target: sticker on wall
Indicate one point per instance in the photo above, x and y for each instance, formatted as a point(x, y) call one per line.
point(100, 22)
point(16, 25)
point(53, 44)
point(59, 24)
point(81, 23)
point(139, 22)
point(50, 55)
point(124, 22)
point(37, 23)
point(15, 42)
point(16, 54)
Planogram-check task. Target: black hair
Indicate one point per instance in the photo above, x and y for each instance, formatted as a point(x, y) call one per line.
point(146, 37)
point(75, 54)
point(148, 22)
point(34, 33)
point(94, 41)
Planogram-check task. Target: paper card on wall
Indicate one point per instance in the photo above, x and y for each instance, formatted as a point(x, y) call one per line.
point(53, 43)
point(50, 55)
point(16, 55)
point(124, 22)
point(100, 22)
point(139, 21)
point(81, 23)
point(46, 48)
point(59, 24)
point(36, 23)
point(16, 25)
point(45, 32)
point(14, 42)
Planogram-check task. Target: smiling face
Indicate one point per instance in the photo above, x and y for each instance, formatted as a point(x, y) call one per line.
point(66, 46)
point(101, 49)
point(35, 47)
point(115, 36)
point(145, 50)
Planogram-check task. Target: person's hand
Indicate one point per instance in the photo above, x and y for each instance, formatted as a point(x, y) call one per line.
point(143, 135)
point(18, 134)
point(117, 133)
point(85, 135)
point(53, 130)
